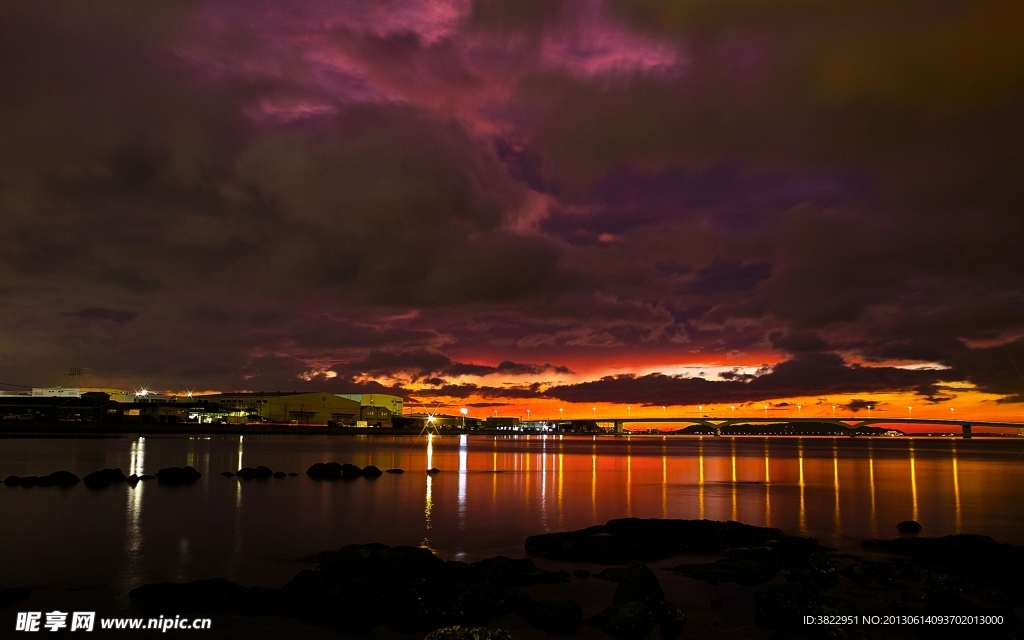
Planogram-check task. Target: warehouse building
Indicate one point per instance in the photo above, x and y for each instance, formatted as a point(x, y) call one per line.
point(285, 407)
point(376, 409)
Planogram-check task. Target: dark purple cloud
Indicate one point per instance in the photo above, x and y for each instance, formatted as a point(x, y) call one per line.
point(102, 313)
point(424, 365)
point(242, 194)
point(806, 375)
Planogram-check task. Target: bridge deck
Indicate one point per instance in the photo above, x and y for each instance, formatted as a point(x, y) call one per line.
point(839, 420)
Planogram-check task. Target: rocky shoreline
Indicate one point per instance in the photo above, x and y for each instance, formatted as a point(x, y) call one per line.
point(412, 592)
point(409, 591)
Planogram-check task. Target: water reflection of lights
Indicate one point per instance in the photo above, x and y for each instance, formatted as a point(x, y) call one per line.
point(629, 483)
point(767, 488)
point(700, 479)
point(544, 490)
point(593, 482)
point(956, 492)
point(835, 476)
point(463, 469)
point(913, 481)
point(561, 467)
point(733, 459)
point(133, 537)
point(871, 480)
point(803, 506)
point(735, 511)
point(238, 485)
point(664, 482)
point(428, 502)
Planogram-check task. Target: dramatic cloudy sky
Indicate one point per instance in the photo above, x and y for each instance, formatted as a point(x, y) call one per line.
point(529, 203)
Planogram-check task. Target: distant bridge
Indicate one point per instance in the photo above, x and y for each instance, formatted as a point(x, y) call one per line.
point(716, 424)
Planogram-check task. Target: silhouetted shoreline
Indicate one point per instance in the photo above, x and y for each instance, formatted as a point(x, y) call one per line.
point(80, 430)
point(409, 590)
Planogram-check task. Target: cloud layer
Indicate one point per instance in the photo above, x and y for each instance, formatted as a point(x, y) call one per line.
point(485, 199)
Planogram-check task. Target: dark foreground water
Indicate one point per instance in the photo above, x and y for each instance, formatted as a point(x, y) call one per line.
point(260, 532)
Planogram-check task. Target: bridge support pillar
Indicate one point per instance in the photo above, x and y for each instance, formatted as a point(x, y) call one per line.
point(618, 427)
point(967, 431)
point(718, 432)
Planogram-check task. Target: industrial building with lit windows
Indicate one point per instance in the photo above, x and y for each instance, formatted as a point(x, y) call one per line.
point(63, 404)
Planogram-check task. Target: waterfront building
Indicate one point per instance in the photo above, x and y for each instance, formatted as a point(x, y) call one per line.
point(376, 409)
point(504, 423)
point(284, 407)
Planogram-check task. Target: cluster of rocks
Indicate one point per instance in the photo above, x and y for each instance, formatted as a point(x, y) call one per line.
point(56, 479)
point(259, 473)
point(638, 606)
point(410, 590)
point(346, 471)
point(105, 478)
point(178, 475)
point(793, 577)
point(407, 589)
point(468, 633)
point(619, 541)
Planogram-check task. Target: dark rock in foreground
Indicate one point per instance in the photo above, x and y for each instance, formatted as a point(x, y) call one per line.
point(511, 573)
point(13, 596)
point(209, 596)
point(408, 589)
point(782, 606)
point(433, 470)
point(317, 471)
point(350, 472)
point(672, 621)
point(803, 559)
point(395, 471)
point(620, 541)
point(638, 584)
point(371, 472)
point(280, 474)
point(468, 633)
point(909, 526)
point(961, 575)
point(259, 473)
point(611, 574)
point(63, 479)
point(177, 475)
point(560, 617)
point(749, 568)
point(334, 471)
point(104, 478)
point(976, 558)
point(630, 621)
point(229, 474)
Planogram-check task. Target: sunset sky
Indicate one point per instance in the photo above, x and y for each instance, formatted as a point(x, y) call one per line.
point(512, 205)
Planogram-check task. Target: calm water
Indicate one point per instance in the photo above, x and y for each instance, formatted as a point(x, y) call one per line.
point(260, 532)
